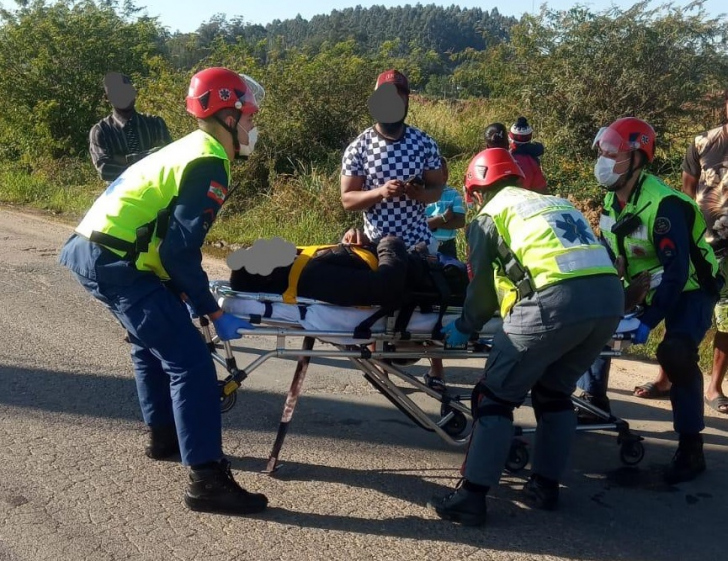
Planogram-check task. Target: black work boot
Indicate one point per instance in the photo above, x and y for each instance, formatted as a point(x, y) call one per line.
point(542, 493)
point(163, 443)
point(213, 489)
point(688, 462)
point(463, 506)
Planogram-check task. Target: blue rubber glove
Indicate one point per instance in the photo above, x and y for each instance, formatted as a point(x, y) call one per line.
point(453, 336)
point(227, 325)
point(640, 336)
point(191, 310)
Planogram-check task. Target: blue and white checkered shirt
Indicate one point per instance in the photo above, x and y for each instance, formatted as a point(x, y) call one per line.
point(378, 161)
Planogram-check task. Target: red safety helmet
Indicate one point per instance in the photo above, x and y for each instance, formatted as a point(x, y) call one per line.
point(214, 89)
point(487, 168)
point(626, 135)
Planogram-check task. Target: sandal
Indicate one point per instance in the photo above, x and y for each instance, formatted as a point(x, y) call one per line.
point(650, 391)
point(719, 404)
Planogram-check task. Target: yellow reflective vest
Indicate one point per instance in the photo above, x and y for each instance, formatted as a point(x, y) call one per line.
point(638, 247)
point(544, 240)
point(131, 217)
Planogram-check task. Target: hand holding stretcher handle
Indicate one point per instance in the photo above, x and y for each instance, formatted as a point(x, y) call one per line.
point(453, 336)
point(227, 326)
point(640, 336)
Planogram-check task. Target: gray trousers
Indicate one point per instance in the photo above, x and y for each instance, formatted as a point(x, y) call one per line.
point(547, 363)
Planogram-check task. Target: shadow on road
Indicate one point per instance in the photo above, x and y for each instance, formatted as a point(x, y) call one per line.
point(628, 512)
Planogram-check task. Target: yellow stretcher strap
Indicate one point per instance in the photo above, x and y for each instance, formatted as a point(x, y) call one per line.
point(367, 256)
point(305, 255)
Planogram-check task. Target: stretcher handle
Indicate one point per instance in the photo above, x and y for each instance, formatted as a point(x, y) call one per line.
point(623, 336)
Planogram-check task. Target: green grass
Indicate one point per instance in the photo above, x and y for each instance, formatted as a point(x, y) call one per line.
point(304, 208)
point(65, 187)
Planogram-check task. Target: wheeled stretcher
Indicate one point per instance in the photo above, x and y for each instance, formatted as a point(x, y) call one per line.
point(381, 348)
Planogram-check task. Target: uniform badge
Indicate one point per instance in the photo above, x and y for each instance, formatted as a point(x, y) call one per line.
point(662, 226)
point(217, 192)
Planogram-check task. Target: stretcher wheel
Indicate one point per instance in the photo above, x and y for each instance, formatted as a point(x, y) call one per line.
point(227, 402)
point(457, 425)
point(518, 457)
point(631, 453)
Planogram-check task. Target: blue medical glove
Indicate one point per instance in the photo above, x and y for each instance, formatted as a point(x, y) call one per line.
point(640, 336)
point(227, 325)
point(453, 336)
point(191, 310)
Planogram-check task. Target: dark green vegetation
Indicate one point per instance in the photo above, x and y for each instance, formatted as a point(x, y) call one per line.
point(568, 72)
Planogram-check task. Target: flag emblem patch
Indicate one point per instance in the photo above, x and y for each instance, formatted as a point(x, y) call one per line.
point(217, 192)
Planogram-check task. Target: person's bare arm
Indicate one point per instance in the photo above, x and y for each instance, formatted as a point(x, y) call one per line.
point(354, 198)
point(455, 220)
point(355, 236)
point(449, 220)
point(689, 185)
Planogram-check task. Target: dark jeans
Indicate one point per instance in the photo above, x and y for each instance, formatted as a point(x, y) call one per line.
point(448, 248)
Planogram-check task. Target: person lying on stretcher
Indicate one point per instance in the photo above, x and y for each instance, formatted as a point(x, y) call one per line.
point(354, 272)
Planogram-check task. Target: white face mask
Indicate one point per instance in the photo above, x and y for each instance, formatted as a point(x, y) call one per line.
point(604, 171)
point(247, 149)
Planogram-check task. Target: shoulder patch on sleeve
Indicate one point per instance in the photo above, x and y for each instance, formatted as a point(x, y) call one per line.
point(662, 226)
point(217, 192)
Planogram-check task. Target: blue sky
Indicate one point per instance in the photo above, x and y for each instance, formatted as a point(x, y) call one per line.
point(187, 15)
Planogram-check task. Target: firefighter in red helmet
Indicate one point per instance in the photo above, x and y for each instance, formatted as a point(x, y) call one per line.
point(534, 258)
point(137, 250)
point(657, 232)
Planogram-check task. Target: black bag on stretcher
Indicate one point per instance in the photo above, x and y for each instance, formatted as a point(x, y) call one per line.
point(346, 275)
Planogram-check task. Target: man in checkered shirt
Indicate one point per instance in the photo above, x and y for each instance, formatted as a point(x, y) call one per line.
point(392, 171)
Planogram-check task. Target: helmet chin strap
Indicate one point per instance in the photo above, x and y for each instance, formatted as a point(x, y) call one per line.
point(233, 132)
point(630, 169)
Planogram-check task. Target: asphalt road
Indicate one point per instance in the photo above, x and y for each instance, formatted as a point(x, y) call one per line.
point(75, 484)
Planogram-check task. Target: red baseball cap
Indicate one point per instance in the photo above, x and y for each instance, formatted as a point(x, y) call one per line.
point(393, 77)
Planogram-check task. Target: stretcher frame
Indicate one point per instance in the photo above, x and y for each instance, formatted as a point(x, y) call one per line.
point(378, 369)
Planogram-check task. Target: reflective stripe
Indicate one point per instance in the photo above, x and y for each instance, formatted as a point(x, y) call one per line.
point(529, 208)
point(583, 259)
point(606, 222)
point(640, 233)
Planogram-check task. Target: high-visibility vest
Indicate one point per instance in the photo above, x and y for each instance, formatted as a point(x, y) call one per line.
point(544, 240)
point(131, 217)
point(638, 246)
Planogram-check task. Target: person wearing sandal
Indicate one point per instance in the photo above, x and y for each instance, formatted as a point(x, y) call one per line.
point(660, 230)
point(705, 179)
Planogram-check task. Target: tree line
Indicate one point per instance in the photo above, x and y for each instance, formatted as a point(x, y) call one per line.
point(569, 71)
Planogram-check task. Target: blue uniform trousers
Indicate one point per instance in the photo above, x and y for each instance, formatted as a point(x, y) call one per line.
point(691, 318)
point(175, 375)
